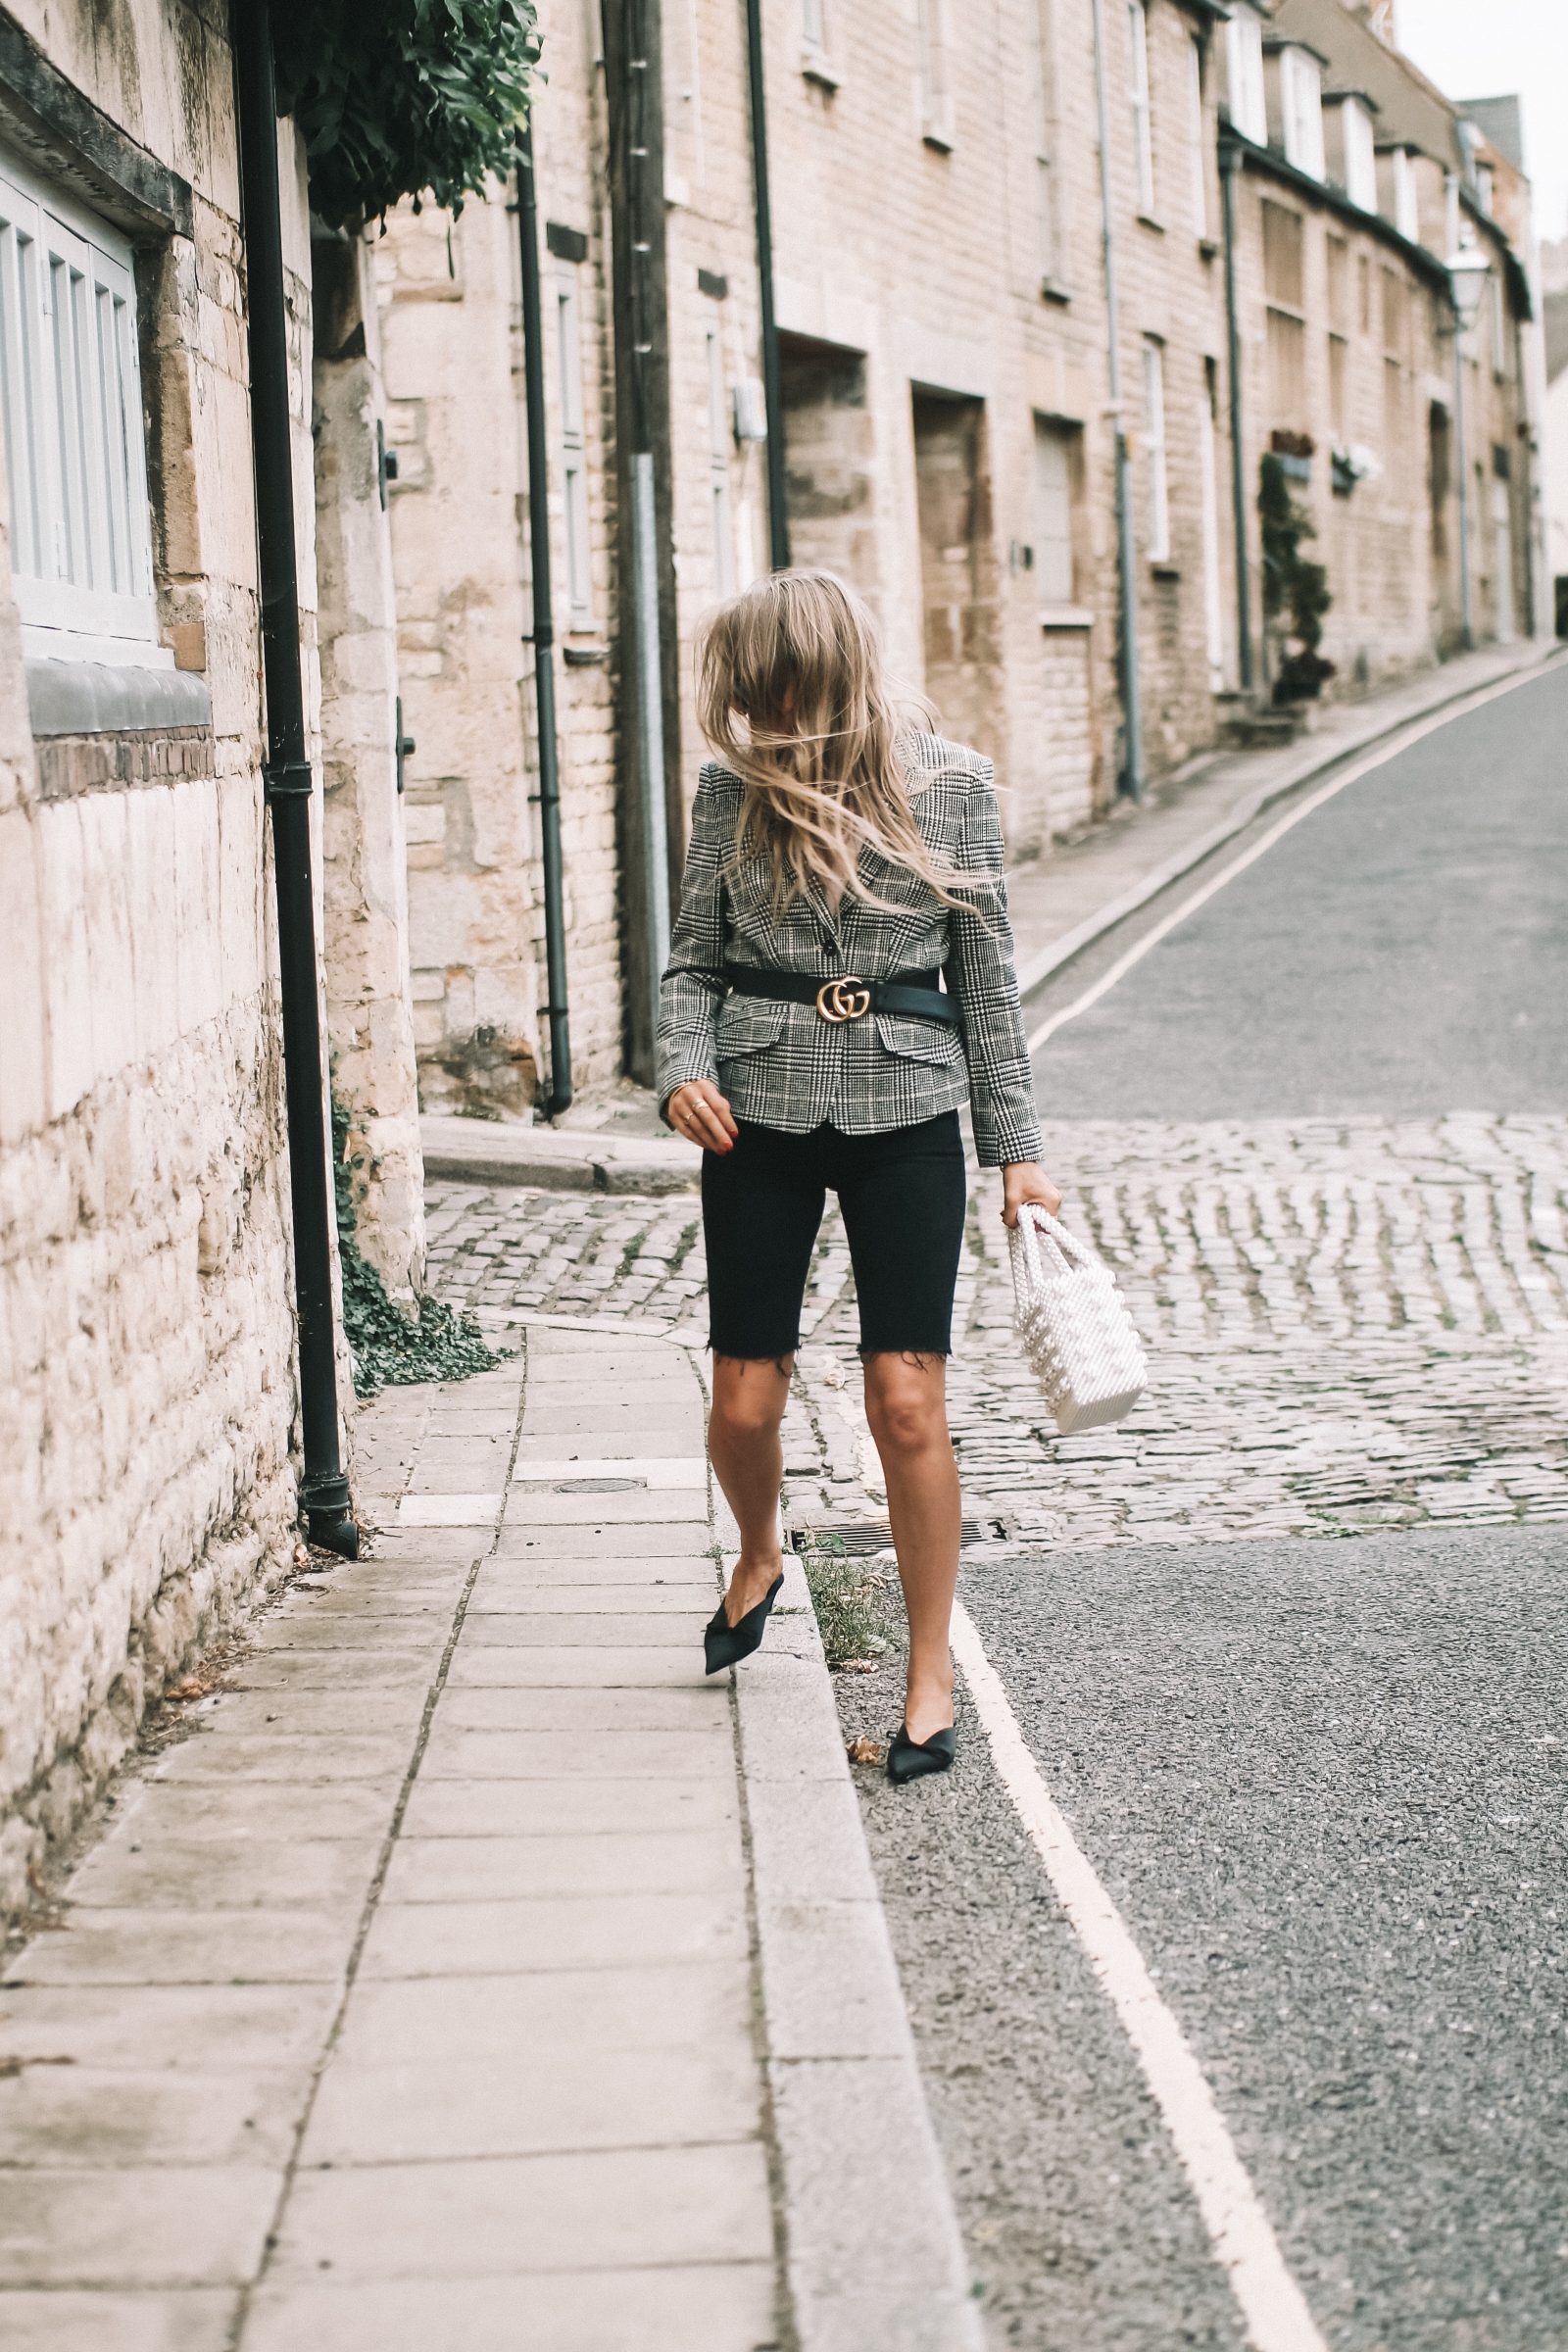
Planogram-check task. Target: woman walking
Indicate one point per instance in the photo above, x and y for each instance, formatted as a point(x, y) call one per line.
point(843, 865)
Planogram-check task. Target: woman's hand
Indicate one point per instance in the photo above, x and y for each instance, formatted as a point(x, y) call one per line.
point(699, 1112)
point(1022, 1180)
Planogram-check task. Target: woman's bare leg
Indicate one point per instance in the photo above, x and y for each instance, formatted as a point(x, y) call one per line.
point(748, 1458)
point(906, 1406)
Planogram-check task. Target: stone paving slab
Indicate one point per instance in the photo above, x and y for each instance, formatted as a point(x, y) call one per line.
point(78, 2117)
point(455, 1752)
point(599, 2208)
point(577, 1807)
point(463, 1870)
point(392, 2113)
point(719, 2307)
point(186, 1947)
point(488, 1937)
point(165, 2226)
point(193, 2320)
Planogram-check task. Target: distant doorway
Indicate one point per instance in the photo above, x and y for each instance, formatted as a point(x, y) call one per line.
point(961, 591)
point(828, 460)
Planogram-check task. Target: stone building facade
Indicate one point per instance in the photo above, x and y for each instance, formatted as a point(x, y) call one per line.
point(148, 1396)
point(949, 422)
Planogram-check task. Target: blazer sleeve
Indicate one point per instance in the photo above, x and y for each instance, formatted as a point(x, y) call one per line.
point(693, 986)
point(981, 975)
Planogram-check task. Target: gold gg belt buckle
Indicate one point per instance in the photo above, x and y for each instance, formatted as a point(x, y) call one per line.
point(844, 999)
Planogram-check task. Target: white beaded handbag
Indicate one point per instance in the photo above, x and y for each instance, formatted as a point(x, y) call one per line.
point(1073, 1325)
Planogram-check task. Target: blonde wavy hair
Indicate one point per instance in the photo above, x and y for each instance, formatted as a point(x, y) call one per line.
point(791, 695)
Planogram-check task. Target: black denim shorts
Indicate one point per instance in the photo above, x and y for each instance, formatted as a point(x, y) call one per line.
point(902, 1198)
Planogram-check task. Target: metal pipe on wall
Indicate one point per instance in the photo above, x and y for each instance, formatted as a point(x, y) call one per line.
point(1230, 163)
point(778, 519)
point(1467, 619)
point(1131, 777)
point(543, 634)
point(288, 783)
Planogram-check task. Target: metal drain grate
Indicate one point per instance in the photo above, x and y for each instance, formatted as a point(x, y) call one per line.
point(860, 1539)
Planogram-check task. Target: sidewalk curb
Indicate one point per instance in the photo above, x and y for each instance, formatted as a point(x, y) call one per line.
point(1040, 968)
point(872, 2250)
point(557, 1160)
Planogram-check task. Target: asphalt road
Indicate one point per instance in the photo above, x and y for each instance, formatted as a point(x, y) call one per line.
point(1326, 1782)
point(1403, 951)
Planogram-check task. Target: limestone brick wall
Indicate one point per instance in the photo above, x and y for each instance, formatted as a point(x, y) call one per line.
point(363, 878)
point(146, 1385)
point(450, 296)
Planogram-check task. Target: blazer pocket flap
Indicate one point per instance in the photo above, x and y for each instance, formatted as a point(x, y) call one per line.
point(748, 1025)
point(917, 1040)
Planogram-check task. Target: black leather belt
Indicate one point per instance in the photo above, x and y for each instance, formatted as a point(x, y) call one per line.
point(914, 995)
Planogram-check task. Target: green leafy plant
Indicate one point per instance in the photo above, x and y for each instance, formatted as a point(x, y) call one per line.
point(845, 1597)
point(387, 1348)
point(1296, 590)
point(420, 98)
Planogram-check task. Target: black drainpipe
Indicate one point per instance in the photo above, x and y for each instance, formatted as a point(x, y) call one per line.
point(287, 783)
point(1230, 163)
point(778, 519)
point(543, 634)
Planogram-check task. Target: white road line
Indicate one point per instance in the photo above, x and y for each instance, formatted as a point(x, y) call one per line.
point(1272, 2304)
point(1401, 743)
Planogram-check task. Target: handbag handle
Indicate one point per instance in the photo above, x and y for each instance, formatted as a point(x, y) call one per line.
point(1048, 1244)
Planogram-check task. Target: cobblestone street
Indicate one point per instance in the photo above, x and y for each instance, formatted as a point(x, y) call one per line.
point(1353, 1323)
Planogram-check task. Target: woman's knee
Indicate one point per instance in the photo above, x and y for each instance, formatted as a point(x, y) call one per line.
point(749, 1398)
point(906, 1403)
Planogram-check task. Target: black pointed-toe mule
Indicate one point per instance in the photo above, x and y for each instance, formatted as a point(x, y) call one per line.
point(909, 1759)
point(725, 1645)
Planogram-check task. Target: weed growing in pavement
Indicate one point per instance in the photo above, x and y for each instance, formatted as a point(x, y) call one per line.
point(844, 1595)
point(387, 1348)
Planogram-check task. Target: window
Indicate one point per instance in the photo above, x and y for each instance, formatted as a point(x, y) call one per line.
point(1484, 183)
point(1407, 199)
point(936, 89)
point(1301, 111)
point(1056, 470)
point(1246, 99)
point(1047, 131)
point(1143, 127)
point(1361, 156)
point(70, 392)
point(1284, 288)
point(1338, 254)
point(718, 445)
point(1339, 394)
point(1155, 450)
point(815, 57)
point(1497, 326)
point(1394, 422)
point(1396, 315)
point(573, 453)
point(1197, 124)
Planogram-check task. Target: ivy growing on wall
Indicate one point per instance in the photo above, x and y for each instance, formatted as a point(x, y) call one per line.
point(389, 1348)
point(396, 98)
point(1296, 590)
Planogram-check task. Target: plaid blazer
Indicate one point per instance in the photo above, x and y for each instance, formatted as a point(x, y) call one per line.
point(781, 1065)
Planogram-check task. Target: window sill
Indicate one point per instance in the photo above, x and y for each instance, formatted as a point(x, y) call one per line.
point(584, 657)
point(97, 698)
point(1148, 221)
point(1051, 290)
point(1065, 616)
point(817, 66)
point(1161, 568)
point(1208, 248)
